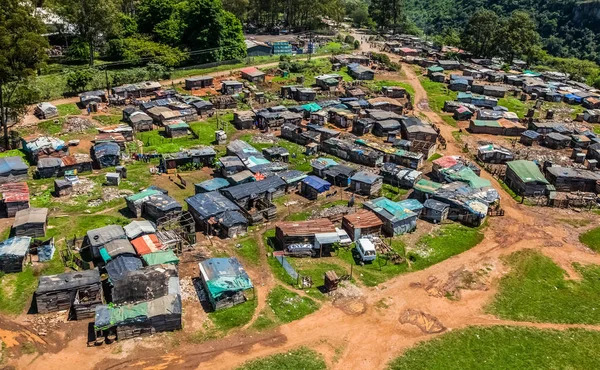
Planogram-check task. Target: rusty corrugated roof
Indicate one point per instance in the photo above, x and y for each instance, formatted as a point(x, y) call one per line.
point(15, 192)
point(362, 219)
point(299, 228)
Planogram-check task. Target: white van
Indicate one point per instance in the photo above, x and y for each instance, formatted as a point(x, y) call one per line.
point(366, 250)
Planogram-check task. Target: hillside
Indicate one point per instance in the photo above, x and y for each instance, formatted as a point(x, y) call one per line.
point(568, 27)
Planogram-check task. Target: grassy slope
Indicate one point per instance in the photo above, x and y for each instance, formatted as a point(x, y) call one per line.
point(536, 290)
point(504, 348)
point(591, 239)
point(302, 358)
point(289, 306)
point(233, 317)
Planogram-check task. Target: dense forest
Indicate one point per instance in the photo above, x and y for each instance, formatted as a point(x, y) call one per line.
point(568, 28)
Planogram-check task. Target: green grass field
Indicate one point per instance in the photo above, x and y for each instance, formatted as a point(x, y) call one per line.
point(437, 93)
point(591, 238)
point(289, 306)
point(448, 241)
point(536, 290)
point(504, 348)
point(68, 109)
point(299, 359)
point(249, 250)
point(233, 317)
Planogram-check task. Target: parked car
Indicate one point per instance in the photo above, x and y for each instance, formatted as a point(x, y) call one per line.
point(366, 250)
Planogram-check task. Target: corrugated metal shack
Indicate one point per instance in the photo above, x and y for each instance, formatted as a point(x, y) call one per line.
point(215, 214)
point(396, 219)
point(160, 205)
point(106, 154)
point(230, 165)
point(211, 185)
point(198, 158)
point(31, 222)
point(144, 284)
point(225, 281)
point(572, 179)
point(301, 232)
point(79, 290)
point(361, 224)
point(135, 202)
point(312, 186)
point(525, 178)
point(96, 239)
point(146, 318)
point(492, 153)
point(13, 169)
point(15, 197)
point(339, 175)
point(43, 147)
point(366, 183)
point(292, 179)
point(256, 197)
point(435, 211)
point(13, 252)
point(396, 175)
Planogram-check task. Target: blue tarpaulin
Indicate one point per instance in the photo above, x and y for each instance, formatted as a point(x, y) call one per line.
point(317, 183)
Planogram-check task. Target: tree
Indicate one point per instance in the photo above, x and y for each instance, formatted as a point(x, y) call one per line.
point(479, 35)
point(78, 79)
point(238, 7)
point(360, 15)
point(517, 36)
point(388, 14)
point(92, 19)
point(22, 53)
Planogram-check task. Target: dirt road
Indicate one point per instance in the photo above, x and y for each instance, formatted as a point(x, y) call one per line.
point(372, 339)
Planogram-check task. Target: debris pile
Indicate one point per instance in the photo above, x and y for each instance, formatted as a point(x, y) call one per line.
point(458, 280)
point(332, 212)
point(78, 125)
point(264, 138)
point(42, 324)
point(349, 298)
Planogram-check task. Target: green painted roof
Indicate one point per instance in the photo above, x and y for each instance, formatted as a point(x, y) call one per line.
point(160, 257)
point(527, 171)
point(435, 69)
point(465, 174)
point(486, 123)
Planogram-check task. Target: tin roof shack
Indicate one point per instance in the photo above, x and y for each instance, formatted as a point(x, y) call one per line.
point(147, 283)
point(554, 140)
point(244, 120)
point(31, 222)
point(45, 110)
point(160, 205)
point(44, 146)
point(211, 185)
point(435, 211)
point(361, 224)
point(299, 238)
point(79, 290)
point(161, 258)
point(319, 165)
point(106, 154)
point(198, 82)
point(139, 228)
point(492, 153)
point(366, 183)
point(395, 92)
point(276, 153)
point(351, 152)
point(363, 126)
point(196, 158)
point(13, 252)
point(328, 82)
point(176, 128)
point(462, 114)
point(525, 178)
point(96, 96)
point(201, 106)
point(312, 187)
point(572, 179)
point(415, 129)
point(252, 74)
point(13, 169)
point(97, 239)
point(459, 85)
point(292, 179)
point(120, 266)
point(215, 214)
point(257, 195)
point(135, 202)
point(580, 141)
point(385, 127)
point(140, 319)
point(359, 72)
point(225, 281)
point(396, 175)
point(396, 219)
point(530, 137)
point(593, 151)
point(140, 121)
point(231, 87)
point(230, 165)
point(15, 197)
point(408, 159)
point(339, 175)
point(146, 244)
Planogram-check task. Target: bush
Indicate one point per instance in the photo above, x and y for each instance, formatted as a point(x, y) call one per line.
point(356, 44)
point(78, 79)
point(349, 40)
